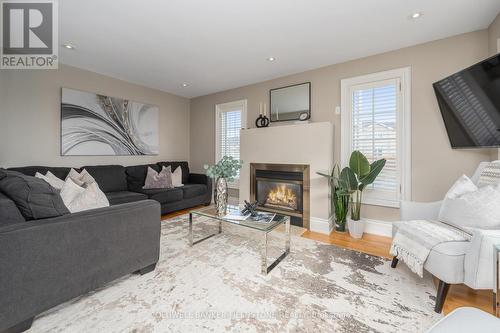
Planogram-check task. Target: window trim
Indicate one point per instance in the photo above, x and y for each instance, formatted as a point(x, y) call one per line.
point(222, 107)
point(403, 129)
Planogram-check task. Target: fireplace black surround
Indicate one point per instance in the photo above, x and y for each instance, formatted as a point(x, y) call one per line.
point(283, 189)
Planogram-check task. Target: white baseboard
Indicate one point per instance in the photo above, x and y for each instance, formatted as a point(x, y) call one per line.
point(320, 225)
point(374, 227)
point(377, 227)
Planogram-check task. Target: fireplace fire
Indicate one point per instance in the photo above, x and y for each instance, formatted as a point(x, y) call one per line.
point(282, 189)
point(282, 197)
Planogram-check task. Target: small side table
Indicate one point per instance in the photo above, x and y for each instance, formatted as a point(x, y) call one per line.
point(496, 270)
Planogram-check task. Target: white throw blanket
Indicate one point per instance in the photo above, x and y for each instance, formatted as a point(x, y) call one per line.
point(414, 241)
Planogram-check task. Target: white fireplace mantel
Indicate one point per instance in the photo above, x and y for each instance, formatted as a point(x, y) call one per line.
point(310, 143)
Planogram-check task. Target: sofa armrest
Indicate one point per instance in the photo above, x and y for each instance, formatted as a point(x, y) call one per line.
point(412, 210)
point(479, 260)
point(46, 262)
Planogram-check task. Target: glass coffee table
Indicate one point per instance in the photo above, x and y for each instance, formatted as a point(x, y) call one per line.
point(263, 228)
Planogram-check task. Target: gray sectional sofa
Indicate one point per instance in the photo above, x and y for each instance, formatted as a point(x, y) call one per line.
point(124, 184)
point(45, 262)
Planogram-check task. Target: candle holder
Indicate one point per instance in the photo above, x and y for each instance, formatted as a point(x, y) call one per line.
point(262, 121)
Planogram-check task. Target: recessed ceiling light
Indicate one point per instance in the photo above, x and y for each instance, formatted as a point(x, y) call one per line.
point(185, 84)
point(416, 15)
point(69, 46)
point(271, 59)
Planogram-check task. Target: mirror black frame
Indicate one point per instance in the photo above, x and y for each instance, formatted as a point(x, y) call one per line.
point(292, 85)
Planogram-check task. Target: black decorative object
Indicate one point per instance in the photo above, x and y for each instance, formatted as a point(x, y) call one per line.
point(250, 208)
point(262, 121)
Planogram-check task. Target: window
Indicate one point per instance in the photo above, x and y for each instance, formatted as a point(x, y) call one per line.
point(376, 121)
point(230, 118)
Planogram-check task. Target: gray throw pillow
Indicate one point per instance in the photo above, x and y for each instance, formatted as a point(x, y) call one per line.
point(34, 197)
point(162, 179)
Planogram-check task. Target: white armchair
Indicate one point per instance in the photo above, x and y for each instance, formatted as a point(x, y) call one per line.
point(467, 262)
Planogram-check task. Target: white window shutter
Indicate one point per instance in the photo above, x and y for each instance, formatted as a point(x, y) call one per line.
point(374, 129)
point(376, 120)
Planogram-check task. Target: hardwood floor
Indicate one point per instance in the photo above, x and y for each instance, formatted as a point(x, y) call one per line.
point(458, 296)
point(371, 244)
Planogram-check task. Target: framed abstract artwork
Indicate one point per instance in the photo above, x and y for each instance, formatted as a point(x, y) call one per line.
point(94, 124)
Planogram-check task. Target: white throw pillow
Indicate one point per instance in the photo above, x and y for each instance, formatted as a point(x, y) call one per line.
point(490, 175)
point(79, 198)
point(70, 191)
point(50, 178)
point(83, 178)
point(177, 177)
point(465, 206)
point(463, 185)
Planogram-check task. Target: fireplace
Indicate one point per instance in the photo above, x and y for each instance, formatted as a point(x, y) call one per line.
point(282, 189)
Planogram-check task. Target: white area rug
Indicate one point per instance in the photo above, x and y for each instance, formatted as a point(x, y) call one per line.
point(216, 286)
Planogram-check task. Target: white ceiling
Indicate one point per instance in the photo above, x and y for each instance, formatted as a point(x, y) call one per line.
point(216, 45)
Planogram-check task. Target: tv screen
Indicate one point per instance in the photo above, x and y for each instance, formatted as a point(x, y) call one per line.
point(470, 105)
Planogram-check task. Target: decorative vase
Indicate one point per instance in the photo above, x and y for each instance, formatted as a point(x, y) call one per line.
point(340, 225)
point(356, 228)
point(221, 196)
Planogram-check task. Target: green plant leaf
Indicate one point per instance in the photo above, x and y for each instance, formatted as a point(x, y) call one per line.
point(359, 164)
point(375, 169)
point(347, 180)
point(324, 175)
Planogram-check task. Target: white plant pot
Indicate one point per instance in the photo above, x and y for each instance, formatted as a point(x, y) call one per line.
point(356, 228)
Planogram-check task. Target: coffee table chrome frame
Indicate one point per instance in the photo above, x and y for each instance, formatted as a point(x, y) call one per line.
point(190, 235)
point(265, 268)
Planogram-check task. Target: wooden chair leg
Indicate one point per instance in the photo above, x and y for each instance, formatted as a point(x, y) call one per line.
point(394, 262)
point(442, 291)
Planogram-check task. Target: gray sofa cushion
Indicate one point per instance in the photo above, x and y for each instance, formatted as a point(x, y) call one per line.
point(164, 195)
point(59, 172)
point(194, 190)
point(136, 175)
point(9, 213)
point(116, 198)
point(110, 178)
point(34, 197)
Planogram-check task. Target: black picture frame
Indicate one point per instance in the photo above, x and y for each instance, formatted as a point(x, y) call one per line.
point(289, 86)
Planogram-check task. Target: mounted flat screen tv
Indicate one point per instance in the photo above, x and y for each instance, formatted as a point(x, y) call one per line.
point(470, 105)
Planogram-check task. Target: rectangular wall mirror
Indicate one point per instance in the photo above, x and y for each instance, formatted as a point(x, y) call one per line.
point(291, 102)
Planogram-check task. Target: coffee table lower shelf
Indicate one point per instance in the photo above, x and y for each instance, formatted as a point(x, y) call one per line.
point(265, 268)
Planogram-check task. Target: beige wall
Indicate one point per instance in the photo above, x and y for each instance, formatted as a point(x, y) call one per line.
point(435, 166)
point(30, 117)
point(494, 35)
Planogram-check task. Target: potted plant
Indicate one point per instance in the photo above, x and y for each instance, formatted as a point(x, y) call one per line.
point(339, 202)
point(223, 172)
point(353, 180)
